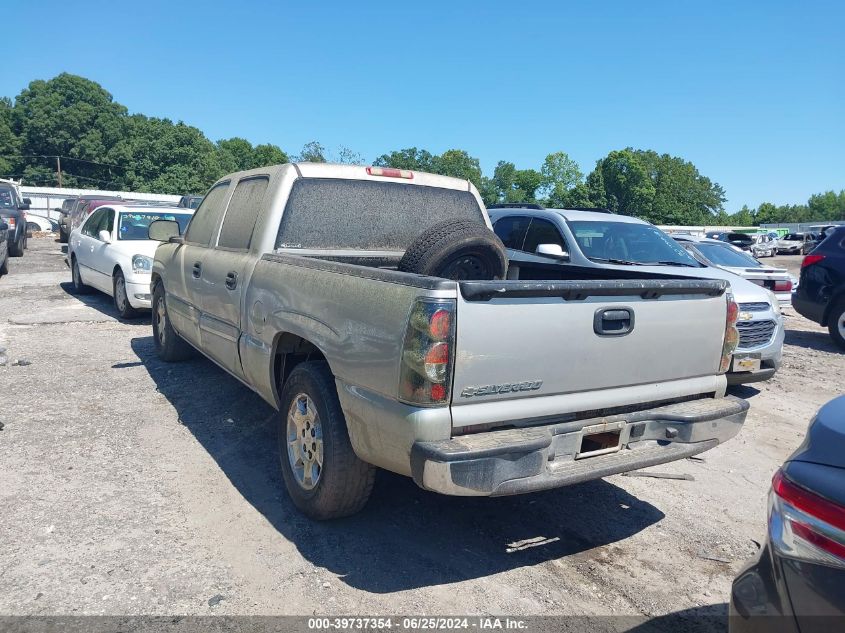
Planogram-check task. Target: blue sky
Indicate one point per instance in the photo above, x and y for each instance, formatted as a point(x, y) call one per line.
point(752, 93)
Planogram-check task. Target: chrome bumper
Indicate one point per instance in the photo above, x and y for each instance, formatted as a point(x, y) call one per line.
point(522, 460)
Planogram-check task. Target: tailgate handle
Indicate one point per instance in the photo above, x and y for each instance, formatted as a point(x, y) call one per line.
point(613, 321)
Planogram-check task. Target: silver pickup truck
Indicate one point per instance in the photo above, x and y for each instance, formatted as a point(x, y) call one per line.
point(287, 278)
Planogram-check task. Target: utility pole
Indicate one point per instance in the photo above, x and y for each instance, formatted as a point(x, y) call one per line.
point(59, 170)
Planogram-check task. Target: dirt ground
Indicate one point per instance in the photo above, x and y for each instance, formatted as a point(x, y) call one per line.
point(130, 486)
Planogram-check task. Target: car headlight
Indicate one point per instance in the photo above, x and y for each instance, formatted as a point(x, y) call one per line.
point(773, 301)
point(142, 264)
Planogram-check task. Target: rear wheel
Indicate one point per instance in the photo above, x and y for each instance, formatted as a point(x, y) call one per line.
point(121, 298)
point(169, 345)
point(323, 476)
point(4, 267)
point(16, 247)
point(836, 323)
point(78, 287)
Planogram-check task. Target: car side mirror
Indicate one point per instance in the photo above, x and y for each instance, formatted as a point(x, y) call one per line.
point(552, 250)
point(104, 236)
point(165, 231)
point(24, 206)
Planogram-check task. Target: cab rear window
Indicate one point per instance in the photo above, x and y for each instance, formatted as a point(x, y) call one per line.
point(329, 213)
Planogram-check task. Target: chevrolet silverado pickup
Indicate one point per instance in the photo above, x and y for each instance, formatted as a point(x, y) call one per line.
point(290, 278)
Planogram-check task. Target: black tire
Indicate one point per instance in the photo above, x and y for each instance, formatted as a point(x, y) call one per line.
point(16, 247)
point(344, 482)
point(78, 287)
point(837, 315)
point(170, 347)
point(4, 267)
point(120, 296)
point(62, 236)
point(457, 249)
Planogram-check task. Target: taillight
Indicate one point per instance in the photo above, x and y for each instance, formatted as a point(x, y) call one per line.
point(425, 377)
point(12, 223)
point(809, 260)
point(783, 286)
point(804, 525)
point(731, 339)
point(390, 172)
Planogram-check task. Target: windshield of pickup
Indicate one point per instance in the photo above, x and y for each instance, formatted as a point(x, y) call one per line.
point(629, 243)
point(726, 256)
point(135, 225)
point(334, 214)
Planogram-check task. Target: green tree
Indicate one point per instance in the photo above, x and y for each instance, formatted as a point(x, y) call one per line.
point(410, 158)
point(312, 152)
point(350, 157)
point(458, 164)
point(68, 116)
point(9, 143)
point(560, 174)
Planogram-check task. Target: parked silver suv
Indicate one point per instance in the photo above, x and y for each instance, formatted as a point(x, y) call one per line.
point(597, 239)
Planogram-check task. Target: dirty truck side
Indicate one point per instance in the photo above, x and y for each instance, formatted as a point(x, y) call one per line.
point(287, 278)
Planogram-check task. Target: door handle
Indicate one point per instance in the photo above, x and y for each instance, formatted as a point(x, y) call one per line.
point(232, 280)
point(613, 321)
point(197, 270)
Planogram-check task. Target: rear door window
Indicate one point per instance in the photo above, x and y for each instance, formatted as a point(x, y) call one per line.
point(203, 224)
point(242, 213)
point(511, 230)
point(90, 228)
point(542, 232)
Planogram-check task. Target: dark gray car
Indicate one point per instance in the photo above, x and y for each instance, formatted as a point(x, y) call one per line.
point(797, 581)
point(13, 212)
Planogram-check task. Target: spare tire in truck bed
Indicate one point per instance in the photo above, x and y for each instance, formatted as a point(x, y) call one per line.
point(457, 249)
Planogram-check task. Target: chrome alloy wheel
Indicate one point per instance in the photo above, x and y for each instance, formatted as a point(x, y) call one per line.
point(160, 316)
point(120, 293)
point(305, 442)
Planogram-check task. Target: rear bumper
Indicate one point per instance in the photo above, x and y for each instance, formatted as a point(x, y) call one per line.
point(522, 460)
point(812, 310)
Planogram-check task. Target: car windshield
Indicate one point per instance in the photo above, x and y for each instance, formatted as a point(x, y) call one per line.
point(6, 198)
point(629, 243)
point(726, 256)
point(134, 225)
point(794, 236)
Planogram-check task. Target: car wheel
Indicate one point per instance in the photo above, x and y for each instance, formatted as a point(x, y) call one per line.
point(78, 287)
point(456, 249)
point(121, 298)
point(169, 345)
point(323, 476)
point(836, 323)
point(16, 247)
point(4, 267)
point(62, 236)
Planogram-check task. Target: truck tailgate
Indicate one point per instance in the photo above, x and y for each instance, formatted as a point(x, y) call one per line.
point(518, 340)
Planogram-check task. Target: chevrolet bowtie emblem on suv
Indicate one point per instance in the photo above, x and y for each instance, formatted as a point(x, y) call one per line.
point(489, 390)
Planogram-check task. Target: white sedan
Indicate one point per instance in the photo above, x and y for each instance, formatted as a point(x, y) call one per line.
point(111, 252)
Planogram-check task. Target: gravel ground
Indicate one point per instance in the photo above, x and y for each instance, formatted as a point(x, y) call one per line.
point(130, 486)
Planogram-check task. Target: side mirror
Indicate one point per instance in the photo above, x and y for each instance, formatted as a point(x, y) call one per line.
point(104, 236)
point(164, 231)
point(24, 206)
point(27, 201)
point(552, 250)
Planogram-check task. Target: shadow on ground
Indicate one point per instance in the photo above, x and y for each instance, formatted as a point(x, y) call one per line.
point(743, 391)
point(820, 341)
point(707, 619)
point(104, 304)
point(406, 537)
